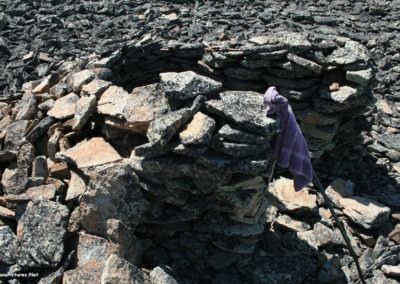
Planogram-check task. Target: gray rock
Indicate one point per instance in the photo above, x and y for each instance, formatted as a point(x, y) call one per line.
point(365, 212)
point(64, 107)
point(237, 150)
point(325, 236)
point(164, 127)
point(391, 270)
point(26, 107)
point(321, 132)
point(288, 199)
point(59, 90)
point(15, 133)
point(361, 77)
point(390, 140)
point(14, 180)
point(40, 129)
point(46, 105)
point(118, 270)
point(114, 193)
point(8, 156)
point(151, 150)
point(4, 46)
point(339, 189)
point(41, 231)
point(192, 151)
point(245, 109)
point(221, 224)
point(310, 116)
point(26, 155)
point(285, 223)
point(342, 95)
point(39, 167)
point(242, 73)
point(96, 87)
point(198, 131)
point(84, 108)
point(250, 165)
point(113, 101)
point(163, 274)
point(186, 85)
point(380, 278)
point(234, 133)
point(90, 273)
point(77, 80)
point(39, 192)
point(143, 105)
point(3, 21)
point(8, 246)
point(91, 248)
point(352, 52)
point(252, 63)
point(289, 70)
point(273, 55)
point(296, 84)
point(298, 94)
point(330, 106)
point(176, 168)
point(308, 64)
point(217, 59)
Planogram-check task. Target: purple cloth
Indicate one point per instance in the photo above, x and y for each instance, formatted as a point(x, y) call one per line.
point(290, 147)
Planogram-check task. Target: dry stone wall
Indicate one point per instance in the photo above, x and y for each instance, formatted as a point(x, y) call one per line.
point(174, 169)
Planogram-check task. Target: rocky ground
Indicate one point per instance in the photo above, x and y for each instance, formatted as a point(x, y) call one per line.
point(75, 82)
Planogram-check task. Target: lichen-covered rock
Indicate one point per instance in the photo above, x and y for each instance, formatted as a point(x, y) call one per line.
point(26, 107)
point(144, 104)
point(91, 248)
point(164, 127)
point(244, 108)
point(119, 270)
point(237, 150)
point(91, 272)
point(113, 101)
point(41, 231)
point(163, 275)
point(234, 133)
point(77, 80)
point(308, 64)
point(8, 246)
point(14, 180)
point(96, 87)
point(113, 193)
point(198, 131)
point(186, 85)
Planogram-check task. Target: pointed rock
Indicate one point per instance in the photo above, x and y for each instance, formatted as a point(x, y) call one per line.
point(119, 270)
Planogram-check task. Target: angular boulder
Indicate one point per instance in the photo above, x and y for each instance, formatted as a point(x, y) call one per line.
point(41, 231)
point(186, 85)
point(365, 212)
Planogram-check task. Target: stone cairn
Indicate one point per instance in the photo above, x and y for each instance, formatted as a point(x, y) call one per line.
point(134, 159)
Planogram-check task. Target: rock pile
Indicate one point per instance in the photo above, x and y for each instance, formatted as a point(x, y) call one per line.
point(125, 159)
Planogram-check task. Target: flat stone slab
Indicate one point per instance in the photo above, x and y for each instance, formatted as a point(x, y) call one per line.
point(282, 190)
point(93, 152)
point(64, 107)
point(89, 273)
point(340, 96)
point(95, 87)
point(245, 109)
point(365, 212)
point(233, 133)
point(76, 187)
point(308, 64)
point(237, 150)
point(186, 85)
point(77, 80)
point(144, 104)
point(113, 101)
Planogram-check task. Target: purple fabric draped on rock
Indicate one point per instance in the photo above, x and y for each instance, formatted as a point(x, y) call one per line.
point(290, 147)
